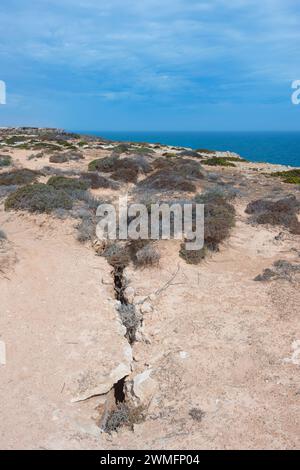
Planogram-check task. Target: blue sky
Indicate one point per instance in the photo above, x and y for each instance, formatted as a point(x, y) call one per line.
point(150, 64)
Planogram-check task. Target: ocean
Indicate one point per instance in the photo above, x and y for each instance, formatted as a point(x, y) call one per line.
point(272, 147)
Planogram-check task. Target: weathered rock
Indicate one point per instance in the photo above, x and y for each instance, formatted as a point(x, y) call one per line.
point(146, 307)
point(144, 387)
point(129, 294)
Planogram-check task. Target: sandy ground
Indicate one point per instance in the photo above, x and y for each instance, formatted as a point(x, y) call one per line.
point(214, 340)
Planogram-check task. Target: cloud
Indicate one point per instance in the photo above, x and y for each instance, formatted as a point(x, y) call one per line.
point(170, 51)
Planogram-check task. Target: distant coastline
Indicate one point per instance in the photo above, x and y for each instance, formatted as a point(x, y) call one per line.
point(272, 147)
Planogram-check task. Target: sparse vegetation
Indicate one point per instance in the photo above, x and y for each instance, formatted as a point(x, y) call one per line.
point(290, 176)
point(38, 197)
point(196, 414)
point(123, 415)
point(280, 212)
point(192, 256)
point(19, 177)
point(131, 319)
point(86, 229)
point(219, 161)
point(282, 269)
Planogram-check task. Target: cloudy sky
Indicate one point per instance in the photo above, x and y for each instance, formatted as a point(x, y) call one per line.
point(150, 64)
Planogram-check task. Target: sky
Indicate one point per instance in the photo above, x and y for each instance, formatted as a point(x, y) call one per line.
point(189, 65)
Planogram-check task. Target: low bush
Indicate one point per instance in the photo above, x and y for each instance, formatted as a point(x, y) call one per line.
point(58, 158)
point(19, 177)
point(96, 181)
point(117, 255)
point(147, 256)
point(192, 256)
point(219, 161)
point(219, 218)
point(279, 212)
point(5, 160)
point(131, 319)
point(67, 184)
point(290, 176)
point(86, 229)
point(166, 180)
point(105, 164)
point(170, 154)
point(126, 175)
point(196, 414)
point(205, 151)
point(189, 153)
point(282, 269)
point(38, 197)
point(124, 415)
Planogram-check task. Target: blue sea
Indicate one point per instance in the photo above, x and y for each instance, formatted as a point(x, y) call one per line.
point(272, 147)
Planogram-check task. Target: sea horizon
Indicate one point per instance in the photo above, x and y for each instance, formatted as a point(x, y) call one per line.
point(277, 147)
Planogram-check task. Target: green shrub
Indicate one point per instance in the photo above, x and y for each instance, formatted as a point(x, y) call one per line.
point(218, 161)
point(290, 176)
point(68, 184)
point(38, 198)
point(5, 160)
point(105, 164)
point(19, 177)
point(170, 154)
point(192, 256)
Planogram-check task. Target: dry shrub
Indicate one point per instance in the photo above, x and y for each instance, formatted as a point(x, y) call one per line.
point(189, 153)
point(67, 184)
point(147, 256)
point(131, 319)
point(282, 269)
point(219, 161)
point(219, 218)
point(96, 181)
point(5, 160)
point(66, 156)
point(281, 212)
point(105, 164)
point(117, 255)
point(166, 180)
point(19, 177)
point(290, 176)
point(58, 158)
point(192, 256)
point(38, 198)
point(86, 229)
point(124, 415)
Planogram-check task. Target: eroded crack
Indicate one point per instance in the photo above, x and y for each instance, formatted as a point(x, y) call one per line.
point(119, 409)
